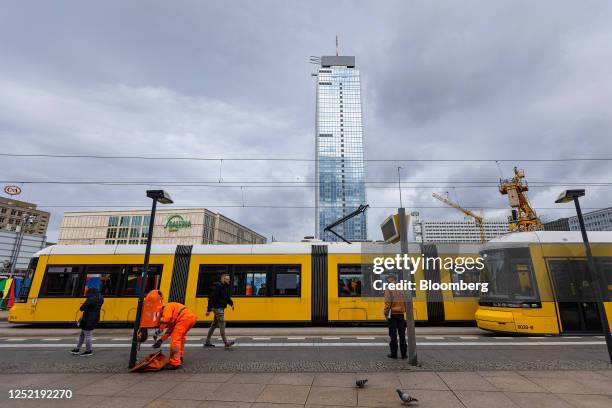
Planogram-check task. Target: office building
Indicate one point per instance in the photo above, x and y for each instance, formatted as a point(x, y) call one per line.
point(599, 220)
point(340, 170)
point(172, 226)
point(459, 231)
point(562, 224)
point(14, 215)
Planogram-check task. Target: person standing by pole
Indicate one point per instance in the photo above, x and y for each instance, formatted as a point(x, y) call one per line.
point(394, 313)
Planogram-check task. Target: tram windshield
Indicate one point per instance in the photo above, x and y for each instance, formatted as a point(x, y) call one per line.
point(509, 274)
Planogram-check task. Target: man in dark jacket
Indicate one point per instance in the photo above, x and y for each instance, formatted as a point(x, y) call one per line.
point(91, 316)
point(218, 299)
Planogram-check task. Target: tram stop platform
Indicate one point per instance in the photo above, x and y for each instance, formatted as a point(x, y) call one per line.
point(499, 389)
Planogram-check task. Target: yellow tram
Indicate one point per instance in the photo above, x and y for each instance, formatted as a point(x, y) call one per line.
point(540, 283)
point(307, 282)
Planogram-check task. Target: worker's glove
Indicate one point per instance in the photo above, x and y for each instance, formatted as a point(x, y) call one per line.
point(157, 344)
point(157, 334)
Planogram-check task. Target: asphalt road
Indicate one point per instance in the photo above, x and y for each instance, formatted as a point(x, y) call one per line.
point(304, 352)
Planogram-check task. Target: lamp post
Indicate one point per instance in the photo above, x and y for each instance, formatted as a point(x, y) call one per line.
point(164, 198)
point(600, 281)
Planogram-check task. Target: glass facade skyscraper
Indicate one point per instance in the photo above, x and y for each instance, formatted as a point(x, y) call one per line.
point(340, 170)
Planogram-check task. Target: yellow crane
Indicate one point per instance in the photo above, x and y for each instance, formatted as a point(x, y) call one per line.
point(523, 217)
point(477, 217)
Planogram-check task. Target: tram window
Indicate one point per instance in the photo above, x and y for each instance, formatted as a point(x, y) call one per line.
point(524, 282)
point(468, 276)
point(209, 274)
point(133, 279)
point(604, 266)
point(61, 281)
point(350, 280)
point(250, 280)
point(509, 275)
point(573, 280)
point(287, 280)
point(105, 277)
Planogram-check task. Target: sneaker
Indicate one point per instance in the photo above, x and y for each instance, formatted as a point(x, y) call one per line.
point(393, 356)
point(207, 344)
point(229, 344)
point(86, 353)
point(172, 367)
point(75, 351)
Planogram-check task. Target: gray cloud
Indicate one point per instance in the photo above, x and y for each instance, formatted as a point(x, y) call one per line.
point(467, 80)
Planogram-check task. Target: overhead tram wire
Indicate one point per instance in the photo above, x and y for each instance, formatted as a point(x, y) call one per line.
point(288, 159)
point(305, 207)
point(272, 183)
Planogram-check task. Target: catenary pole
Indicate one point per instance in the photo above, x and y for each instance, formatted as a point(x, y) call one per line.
point(407, 275)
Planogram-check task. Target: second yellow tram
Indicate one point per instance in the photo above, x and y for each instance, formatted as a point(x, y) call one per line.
point(540, 283)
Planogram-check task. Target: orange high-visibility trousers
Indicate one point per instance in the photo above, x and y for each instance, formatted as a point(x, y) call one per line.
point(185, 322)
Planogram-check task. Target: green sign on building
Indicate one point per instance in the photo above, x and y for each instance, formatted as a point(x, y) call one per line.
point(176, 222)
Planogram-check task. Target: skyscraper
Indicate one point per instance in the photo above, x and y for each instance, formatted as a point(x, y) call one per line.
point(340, 171)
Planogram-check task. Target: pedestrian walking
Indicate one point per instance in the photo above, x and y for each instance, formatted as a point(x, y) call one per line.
point(218, 300)
point(394, 311)
point(88, 322)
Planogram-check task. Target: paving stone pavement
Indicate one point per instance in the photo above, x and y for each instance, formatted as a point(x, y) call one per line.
point(499, 389)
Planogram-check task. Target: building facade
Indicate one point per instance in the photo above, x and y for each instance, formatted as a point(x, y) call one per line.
point(600, 220)
point(448, 231)
point(172, 226)
point(340, 170)
point(14, 216)
point(562, 224)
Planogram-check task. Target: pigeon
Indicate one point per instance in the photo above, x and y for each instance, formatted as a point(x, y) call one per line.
point(361, 383)
point(406, 399)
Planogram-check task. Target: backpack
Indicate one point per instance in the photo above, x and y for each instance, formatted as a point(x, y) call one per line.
point(153, 362)
point(151, 311)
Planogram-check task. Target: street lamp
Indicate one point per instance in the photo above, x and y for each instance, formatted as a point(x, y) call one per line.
point(164, 198)
point(600, 282)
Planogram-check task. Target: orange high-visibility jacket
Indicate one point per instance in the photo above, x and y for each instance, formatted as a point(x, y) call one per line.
point(170, 315)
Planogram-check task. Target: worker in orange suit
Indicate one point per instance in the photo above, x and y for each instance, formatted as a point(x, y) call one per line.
point(176, 320)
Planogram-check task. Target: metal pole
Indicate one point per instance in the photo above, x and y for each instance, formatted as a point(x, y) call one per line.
point(407, 275)
point(598, 281)
point(18, 242)
point(142, 287)
point(399, 185)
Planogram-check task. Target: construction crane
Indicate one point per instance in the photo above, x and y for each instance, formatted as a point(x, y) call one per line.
point(477, 217)
point(523, 217)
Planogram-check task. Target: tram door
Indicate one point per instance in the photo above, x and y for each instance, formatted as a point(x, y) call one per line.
point(576, 295)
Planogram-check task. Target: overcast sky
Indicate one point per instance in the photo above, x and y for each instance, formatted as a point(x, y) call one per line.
point(485, 80)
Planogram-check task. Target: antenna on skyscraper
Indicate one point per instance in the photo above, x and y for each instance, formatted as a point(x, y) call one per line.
point(337, 46)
